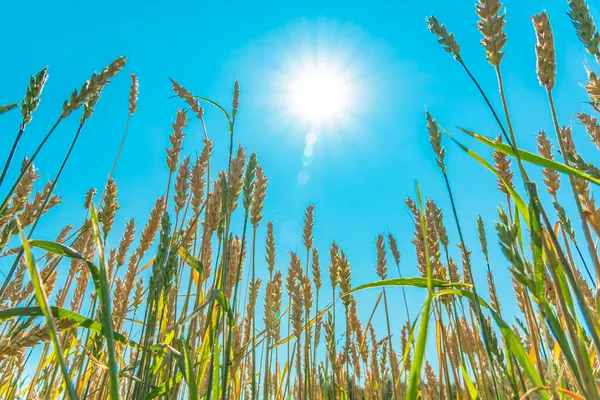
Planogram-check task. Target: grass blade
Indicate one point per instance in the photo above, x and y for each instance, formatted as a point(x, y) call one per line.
point(532, 158)
point(184, 363)
point(194, 263)
point(40, 295)
point(414, 282)
point(469, 383)
point(519, 203)
point(412, 391)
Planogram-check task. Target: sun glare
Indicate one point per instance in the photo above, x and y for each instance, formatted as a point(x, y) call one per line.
point(320, 94)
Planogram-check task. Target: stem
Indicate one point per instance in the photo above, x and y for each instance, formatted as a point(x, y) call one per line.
point(487, 101)
point(317, 327)
point(12, 153)
point(505, 107)
point(403, 294)
point(334, 351)
point(500, 125)
point(267, 373)
point(112, 171)
point(253, 315)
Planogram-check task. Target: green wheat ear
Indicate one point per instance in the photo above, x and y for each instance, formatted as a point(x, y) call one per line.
point(585, 28)
point(444, 38)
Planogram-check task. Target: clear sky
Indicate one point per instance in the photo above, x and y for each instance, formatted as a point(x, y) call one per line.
point(360, 170)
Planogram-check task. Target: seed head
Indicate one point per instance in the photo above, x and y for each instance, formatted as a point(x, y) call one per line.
point(444, 38)
point(125, 242)
point(309, 224)
point(89, 105)
point(491, 24)
point(593, 90)
point(381, 266)
point(333, 265)
point(89, 196)
point(438, 222)
point(197, 184)
point(270, 257)
point(394, 248)
point(182, 181)
point(344, 276)
point(235, 178)
point(25, 186)
point(297, 309)
point(133, 94)
point(236, 99)
point(493, 293)
point(187, 96)
point(32, 95)
point(249, 182)
point(316, 268)
point(503, 165)
point(176, 139)
point(260, 192)
point(109, 210)
point(149, 232)
point(566, 138)
point(93, 86)
point(591, 126)
point(551, 177)
point(544, 49)
point(213, 211)
point(584, 26)
point(436, 141)
point(482, 237)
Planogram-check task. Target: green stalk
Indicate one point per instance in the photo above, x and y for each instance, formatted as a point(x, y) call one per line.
point(505, 107)
point(403, 293)
point(307, 374)
point(11, 153)
point(333, 301)
point(487, 102)
point(347, 349)
point(314, 356)
point(112, 170)
point(267, 372)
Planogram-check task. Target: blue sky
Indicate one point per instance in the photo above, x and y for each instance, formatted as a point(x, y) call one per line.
point(360, 171)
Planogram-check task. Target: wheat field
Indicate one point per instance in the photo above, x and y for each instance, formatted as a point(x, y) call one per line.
point(171, 311)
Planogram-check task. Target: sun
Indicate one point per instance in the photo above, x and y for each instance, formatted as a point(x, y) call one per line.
point(320, 93)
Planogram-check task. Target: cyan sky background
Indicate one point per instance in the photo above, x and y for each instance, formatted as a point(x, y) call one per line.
point(360, 173)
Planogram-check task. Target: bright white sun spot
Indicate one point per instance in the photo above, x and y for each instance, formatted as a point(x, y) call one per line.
point(319, 94)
